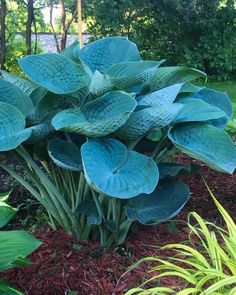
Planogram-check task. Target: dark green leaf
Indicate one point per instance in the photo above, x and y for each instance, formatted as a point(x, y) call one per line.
point(161, 205)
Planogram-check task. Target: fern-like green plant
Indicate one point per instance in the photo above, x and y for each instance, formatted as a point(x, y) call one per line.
point(206, 265)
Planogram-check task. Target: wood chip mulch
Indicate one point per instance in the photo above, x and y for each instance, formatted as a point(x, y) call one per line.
point(63, 264)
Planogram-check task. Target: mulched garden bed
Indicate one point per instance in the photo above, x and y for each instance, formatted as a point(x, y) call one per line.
point(62, 263)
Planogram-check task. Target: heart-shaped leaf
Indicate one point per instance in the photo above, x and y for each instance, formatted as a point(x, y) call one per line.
point(142, 121)
point(206, 143)
point(102, 54)
point(99, 117)
point(12, 124)
point(55, 72)
point(113, 170)
point(218, 99)
point(161, 97)
point(14, 96)
point(162, 204)
point(166, 76)
point(65, 154)
point(196, 110)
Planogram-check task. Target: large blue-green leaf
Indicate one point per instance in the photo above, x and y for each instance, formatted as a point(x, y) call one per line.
point(55, 72)
point(196, 110)
point(102, 54)
point(14, 96)
point(49, 106)
point(142, 121)
point(127, 75)
point(219, 100)
point(131, 68)
point(113, 170)
point(14, 245)
point(162, 204)
point(100, 84)
point(12, 124)
point(161, 97)
point(189, 88)
point(166, 76)
point(65, 154)
point(6, 213)
point(216, 98)
point(98, 117)
point(37, 94)
point(25, 85)
point(206, 143)
point(72, 52)
point(40, 132)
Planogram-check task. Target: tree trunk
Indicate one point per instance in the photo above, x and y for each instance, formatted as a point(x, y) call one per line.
point(63, 25)
point(80, 28)
point(3, 11)
point(29, 22)
point(52, 27)
point(63, 40)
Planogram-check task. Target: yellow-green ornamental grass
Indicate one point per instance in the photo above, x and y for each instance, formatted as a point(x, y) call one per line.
point(206, 265)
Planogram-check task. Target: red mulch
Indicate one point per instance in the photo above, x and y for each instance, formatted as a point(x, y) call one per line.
point(59, 266)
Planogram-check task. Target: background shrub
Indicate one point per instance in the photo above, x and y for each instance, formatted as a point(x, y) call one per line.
point(17, 49)
point(195, 33)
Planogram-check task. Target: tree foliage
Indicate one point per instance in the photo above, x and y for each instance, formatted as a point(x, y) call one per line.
point(198, 33)
point(18, 22)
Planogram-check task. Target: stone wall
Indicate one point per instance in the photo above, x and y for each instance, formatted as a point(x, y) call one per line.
point(48, 43)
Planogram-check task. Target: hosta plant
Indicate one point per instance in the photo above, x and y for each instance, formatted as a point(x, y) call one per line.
point(15, 246)
point(206, 265)
point(95, 128)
